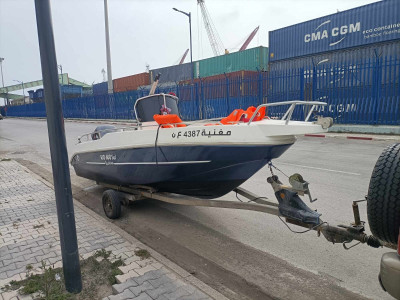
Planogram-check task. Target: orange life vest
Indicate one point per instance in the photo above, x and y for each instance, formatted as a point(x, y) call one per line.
point(168, 121)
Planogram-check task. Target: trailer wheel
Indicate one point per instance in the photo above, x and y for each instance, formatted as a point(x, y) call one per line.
point(383, 200)
point(111, 204)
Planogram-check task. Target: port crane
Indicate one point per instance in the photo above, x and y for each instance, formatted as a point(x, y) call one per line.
point(213, 36)
point(183, 57)
point(249, 39)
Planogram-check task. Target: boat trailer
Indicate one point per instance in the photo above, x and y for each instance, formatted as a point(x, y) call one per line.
point(289, 206)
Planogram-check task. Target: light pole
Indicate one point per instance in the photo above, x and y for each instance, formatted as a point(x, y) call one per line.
point(108, 51)
point(190, 30)
point(23, 88)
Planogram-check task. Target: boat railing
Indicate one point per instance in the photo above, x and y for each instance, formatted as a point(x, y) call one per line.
point(100, 133)
point(286, 117)
point(288, 114)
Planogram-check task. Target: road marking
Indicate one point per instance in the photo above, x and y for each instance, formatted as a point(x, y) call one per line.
point(322, 169)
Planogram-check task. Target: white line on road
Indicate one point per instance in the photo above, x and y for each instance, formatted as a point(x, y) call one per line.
point(322, 169)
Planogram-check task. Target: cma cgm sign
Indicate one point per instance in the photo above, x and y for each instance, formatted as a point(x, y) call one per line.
point(339, 33)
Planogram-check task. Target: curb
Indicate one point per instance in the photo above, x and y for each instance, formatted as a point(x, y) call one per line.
point(186, 276)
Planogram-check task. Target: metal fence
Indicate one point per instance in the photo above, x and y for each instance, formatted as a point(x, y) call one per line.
point(362, 92)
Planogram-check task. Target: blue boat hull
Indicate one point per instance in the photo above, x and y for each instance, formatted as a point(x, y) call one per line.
point(201, 171)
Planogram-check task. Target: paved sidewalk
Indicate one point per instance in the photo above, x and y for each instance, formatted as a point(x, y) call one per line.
point(29, 235)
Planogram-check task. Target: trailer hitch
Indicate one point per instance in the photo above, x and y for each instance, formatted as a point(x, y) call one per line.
point(346, 234)
point(298, 213)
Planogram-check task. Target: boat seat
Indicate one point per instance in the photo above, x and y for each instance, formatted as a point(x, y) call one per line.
point(169, 121)
point(240, 115)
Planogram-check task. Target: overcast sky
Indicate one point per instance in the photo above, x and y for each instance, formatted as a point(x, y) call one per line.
point(141, 32)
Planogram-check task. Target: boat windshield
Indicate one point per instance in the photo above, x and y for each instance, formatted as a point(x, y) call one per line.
point(147, 107)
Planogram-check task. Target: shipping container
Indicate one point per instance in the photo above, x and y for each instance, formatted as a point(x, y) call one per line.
point(235, 74)
point(173, 73)
point(364, 25)
point(71, 89)
point(235, 89)
point(39, 93)
point(31, 94)
point(254, 59)
point(130, 83)
point(100, 88)
point(345, 57)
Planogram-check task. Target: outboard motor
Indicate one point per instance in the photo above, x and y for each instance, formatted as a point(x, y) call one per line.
point(102, 130)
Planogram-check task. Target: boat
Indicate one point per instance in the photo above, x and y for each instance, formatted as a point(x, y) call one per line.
point(205, 158)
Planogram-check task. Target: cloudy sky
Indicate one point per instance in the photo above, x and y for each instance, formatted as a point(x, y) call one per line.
point(142, 32)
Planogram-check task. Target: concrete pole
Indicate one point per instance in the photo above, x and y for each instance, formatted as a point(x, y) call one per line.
point(109, 72)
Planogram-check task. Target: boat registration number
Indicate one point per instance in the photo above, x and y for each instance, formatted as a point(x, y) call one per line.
point(198, 132)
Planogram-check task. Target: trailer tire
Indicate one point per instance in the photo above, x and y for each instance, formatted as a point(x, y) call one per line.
point(383, 200)
point(111, 204)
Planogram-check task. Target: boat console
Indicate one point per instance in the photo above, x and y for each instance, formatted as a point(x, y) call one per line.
point(146, 107)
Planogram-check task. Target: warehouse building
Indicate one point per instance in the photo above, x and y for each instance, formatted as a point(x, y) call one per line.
point(349, 59)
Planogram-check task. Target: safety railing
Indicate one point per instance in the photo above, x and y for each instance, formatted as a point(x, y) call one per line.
point(288, 115)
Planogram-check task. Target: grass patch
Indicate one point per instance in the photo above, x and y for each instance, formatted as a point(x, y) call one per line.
point(38, 226)
point(142, 253)
point(5, 159)
point(97, 278)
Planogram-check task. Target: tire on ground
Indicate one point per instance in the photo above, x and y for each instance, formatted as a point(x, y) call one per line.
point(383, 200)
point(111, 204)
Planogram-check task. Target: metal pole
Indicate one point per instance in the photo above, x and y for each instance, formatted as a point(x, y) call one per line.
point(109, 73)
point(2, 79)
point(58, 149)
point(1, 66)
point(191, 57)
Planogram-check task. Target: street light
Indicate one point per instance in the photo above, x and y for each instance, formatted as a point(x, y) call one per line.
point(190, 30)
point(23, 88)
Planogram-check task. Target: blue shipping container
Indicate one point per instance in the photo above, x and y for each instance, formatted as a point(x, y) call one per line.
point(71, 89)
point(345, 57)
point(173, 73)
point(100, 88)
point(372, 23)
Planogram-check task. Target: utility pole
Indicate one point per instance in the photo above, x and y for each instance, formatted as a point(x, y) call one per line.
point(58, 149)
point(109, 73)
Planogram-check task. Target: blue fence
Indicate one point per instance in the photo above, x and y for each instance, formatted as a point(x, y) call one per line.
point(202, 100)
point(361, 92)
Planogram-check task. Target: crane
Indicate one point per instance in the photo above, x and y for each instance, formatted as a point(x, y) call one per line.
point(215, 41)
point(249, 39)
point(183, 57)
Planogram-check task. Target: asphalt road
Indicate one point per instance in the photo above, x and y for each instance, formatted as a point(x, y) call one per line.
point(224, 246)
